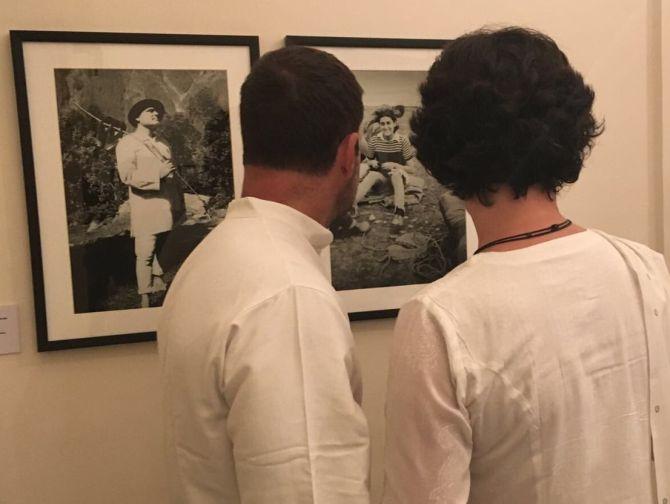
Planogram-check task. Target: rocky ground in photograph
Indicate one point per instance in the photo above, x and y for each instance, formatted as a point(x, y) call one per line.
point(384, 256)
point(103, 257)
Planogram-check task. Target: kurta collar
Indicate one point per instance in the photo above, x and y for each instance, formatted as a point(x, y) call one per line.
point(317, 235)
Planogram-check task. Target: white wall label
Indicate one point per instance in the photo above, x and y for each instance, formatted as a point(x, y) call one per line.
point(9, 329)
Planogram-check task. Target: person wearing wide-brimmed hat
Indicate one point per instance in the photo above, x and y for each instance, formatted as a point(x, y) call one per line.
point(144, 163)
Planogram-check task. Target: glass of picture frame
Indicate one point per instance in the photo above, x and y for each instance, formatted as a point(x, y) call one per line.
point(77, 96)
point(377, 261)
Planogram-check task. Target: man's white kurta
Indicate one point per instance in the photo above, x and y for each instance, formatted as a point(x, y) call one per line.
point(524, 377)
point(262, 391)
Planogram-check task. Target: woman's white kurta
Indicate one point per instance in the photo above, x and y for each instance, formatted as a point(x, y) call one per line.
point(524, 377)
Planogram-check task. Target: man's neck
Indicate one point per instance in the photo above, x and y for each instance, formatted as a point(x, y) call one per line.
point(509, 216)
point(144, 132)
point(291, 188)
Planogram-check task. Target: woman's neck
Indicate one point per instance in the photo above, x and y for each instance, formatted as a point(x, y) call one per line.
point(509, 216)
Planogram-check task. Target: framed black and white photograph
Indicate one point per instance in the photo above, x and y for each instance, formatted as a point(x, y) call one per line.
point(405, 230)
point(132, 151)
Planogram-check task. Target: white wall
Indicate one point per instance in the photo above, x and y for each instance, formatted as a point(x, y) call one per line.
point(83, 426)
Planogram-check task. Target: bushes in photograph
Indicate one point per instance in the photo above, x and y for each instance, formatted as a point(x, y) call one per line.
point(93, 190)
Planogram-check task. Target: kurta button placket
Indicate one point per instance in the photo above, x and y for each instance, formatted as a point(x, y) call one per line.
point(655, 301)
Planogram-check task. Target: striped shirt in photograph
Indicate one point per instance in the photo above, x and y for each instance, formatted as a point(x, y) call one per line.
point(398, 149)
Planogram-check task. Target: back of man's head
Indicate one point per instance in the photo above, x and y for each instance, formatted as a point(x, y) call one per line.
point(297, 105)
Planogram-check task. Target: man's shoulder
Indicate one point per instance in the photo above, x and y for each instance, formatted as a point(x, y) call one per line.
point(236, 249)
point(297, 294)
point(128, 142)
point(240, 258)
point(218, 286)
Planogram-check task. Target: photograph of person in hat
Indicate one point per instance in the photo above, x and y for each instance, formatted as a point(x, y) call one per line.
point(144, 163)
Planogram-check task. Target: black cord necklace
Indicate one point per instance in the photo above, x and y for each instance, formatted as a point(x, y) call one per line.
point(525, 236)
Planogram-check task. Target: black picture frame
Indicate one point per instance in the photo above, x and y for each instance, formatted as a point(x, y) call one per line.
point(333, 44)
point(139, 42)
point(365, 42)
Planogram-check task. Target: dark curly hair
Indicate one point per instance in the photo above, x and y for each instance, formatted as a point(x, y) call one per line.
point(504, 107)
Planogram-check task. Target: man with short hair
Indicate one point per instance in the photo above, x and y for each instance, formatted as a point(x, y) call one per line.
point(262, 390)
point(144, 163)
point(538, 371)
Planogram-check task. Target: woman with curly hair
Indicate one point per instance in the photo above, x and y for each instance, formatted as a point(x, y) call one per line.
point(388, 157)
point(523, 376)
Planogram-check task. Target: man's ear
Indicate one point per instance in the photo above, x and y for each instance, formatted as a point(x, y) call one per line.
point(348, 154)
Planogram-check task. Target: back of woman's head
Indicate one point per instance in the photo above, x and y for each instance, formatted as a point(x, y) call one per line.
point(504, 107)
